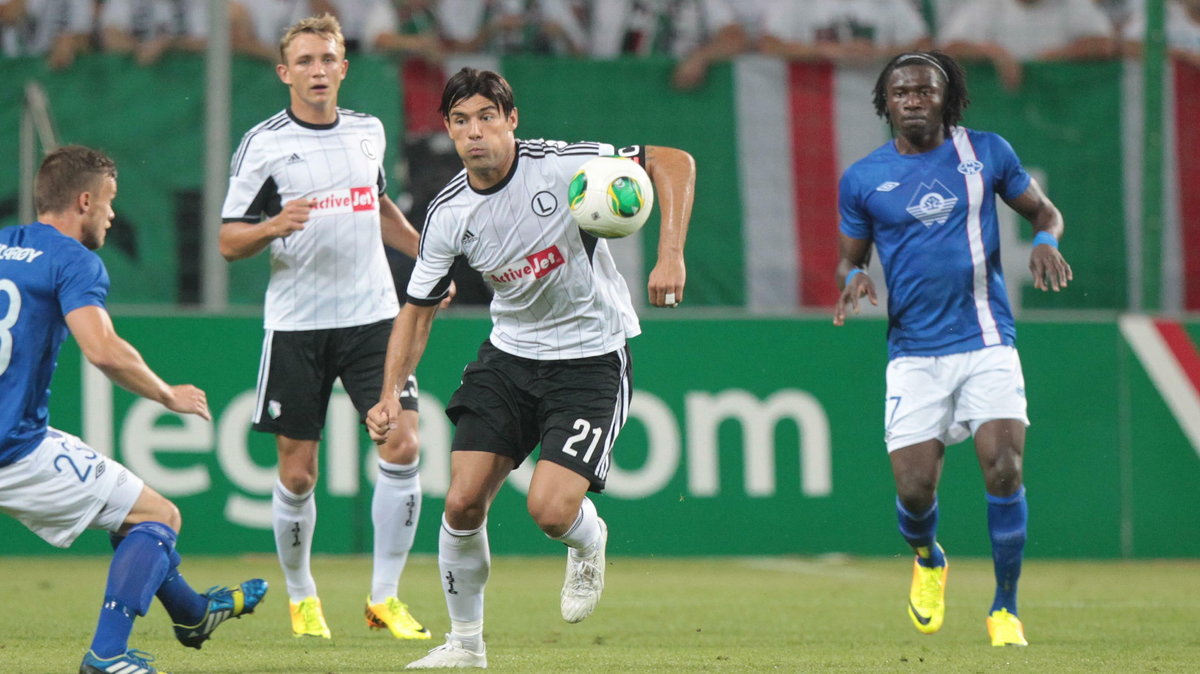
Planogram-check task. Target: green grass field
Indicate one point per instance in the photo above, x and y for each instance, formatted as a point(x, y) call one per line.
point(658, 615)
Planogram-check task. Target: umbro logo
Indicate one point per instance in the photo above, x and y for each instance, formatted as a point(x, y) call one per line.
point(468, 237)
point(295, 159)
point(887, 187)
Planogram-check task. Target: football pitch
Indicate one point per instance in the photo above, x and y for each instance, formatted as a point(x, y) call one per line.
point(790, 614)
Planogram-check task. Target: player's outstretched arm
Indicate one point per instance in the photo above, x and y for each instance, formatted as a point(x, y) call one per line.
point(120, 362)
point(240, 240)
point(410, 334)
point(1050, 270)
point(673, 173)
point(854, 255)
point(397, 231)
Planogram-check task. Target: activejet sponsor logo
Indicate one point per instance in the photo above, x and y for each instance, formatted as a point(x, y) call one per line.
point(537, 265)
point(344, 201)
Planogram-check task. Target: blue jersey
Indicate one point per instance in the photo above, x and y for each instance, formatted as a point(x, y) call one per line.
point(44, 275)
point(932, 217)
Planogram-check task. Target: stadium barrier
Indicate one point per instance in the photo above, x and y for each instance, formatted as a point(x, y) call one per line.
point(746, 436)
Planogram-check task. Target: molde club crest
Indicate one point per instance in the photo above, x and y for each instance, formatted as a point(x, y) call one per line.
point(349, 200)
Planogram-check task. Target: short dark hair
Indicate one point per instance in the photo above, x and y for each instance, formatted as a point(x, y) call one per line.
point(468, 82)
point(955, 100)
point(67, 172)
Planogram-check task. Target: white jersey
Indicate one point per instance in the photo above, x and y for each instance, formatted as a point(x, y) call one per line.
point(557, 292)
point(333, 273)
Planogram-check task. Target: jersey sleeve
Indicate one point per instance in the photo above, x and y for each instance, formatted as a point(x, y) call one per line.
point(252, 190)
point(1011, 178)
point(568, 157)
point(381, 139)
point(429, 283)
point(855, 221)
point(82, 281)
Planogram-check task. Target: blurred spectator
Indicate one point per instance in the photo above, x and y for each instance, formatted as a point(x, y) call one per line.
point(56, 29)
point(11, 14)
point(256, 26)
point(732, 27)
point(857, 31)
point(471, 26)
point(1182, 24)
point(1117, 11)
point(1007, 32)
point(514, 26)
point(407, 27)
point(403, 26)
point(644, 27)
point(148, 28)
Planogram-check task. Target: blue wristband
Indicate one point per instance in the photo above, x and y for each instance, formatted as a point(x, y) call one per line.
point(850, 276)
point(1046, 238)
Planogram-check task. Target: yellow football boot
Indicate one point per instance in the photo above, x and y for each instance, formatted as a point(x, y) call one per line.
point(393, 615)
point(927, 596)
point(1005, 629)
point(308, 620)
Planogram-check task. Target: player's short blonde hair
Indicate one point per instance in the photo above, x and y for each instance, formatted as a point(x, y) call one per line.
point(325, 26)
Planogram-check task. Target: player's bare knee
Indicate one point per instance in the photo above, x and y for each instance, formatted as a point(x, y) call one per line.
point(465, 511)
point(1003, 479)
point(403, 449)
point(916, 493)
point(552, 517)
point(298, 479)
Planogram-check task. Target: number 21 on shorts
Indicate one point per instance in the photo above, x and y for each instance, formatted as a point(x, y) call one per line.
point(585, 429)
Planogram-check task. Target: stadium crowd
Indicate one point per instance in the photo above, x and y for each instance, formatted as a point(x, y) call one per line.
point(697, 32)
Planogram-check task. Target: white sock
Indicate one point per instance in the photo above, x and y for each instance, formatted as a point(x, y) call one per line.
point(465, 561)
point(395, 509)
point(585, 533)
point(294, 518)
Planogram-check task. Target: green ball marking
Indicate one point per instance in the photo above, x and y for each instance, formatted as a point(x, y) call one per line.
point(576, 190)
point(625, 197)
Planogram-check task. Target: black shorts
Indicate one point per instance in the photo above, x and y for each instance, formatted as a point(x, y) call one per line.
point(298, 368)
point(573, 408)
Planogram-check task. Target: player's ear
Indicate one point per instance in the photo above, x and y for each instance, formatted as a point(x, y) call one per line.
point(512, 119)
point(281, 70)
point(83, 202)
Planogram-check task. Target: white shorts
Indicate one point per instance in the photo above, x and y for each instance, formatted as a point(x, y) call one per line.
point(947, 398)
point(64, 487)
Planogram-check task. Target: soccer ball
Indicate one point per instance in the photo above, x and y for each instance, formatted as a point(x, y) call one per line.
point(610, 197)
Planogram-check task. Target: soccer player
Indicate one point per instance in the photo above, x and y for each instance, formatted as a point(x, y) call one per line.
point(555, 370)
point(926, 200)
point(57, 486)
point(308, 183)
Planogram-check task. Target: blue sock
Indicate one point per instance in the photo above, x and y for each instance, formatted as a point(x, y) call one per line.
point(1007, 517)
point(183, 604)
point(138, 567)
point(921, 533)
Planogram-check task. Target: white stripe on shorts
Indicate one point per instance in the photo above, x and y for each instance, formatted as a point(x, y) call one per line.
point(264, 369)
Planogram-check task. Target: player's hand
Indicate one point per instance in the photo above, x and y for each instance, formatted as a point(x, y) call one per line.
point(187, 399)
point(690, 72)
point(1050, 271)
point(665, 285)
point(450, 293)
point(293, 217)
point(860, 285)
point(1010, 70)
point(382, 418)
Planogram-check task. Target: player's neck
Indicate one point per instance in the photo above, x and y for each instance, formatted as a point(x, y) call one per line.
point(920, 144)
point(65, 224)
point(317, 115)
point(485, 179)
